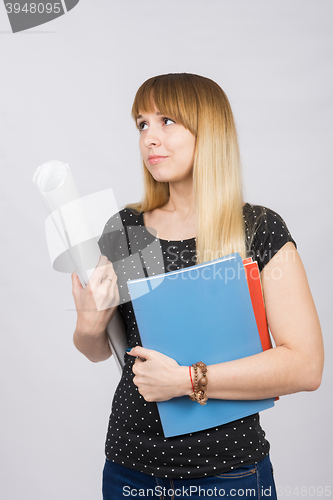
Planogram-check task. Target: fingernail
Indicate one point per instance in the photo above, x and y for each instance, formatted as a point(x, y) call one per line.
point(128, 350)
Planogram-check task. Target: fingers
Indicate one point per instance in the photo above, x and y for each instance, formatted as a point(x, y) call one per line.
point(141, 352)
point(135, 367)
point(76, 283)
point(103, 269)
point(101, 292)
point(103, 283)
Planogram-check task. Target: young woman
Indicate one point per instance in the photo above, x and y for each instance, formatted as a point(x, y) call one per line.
point(193, 199)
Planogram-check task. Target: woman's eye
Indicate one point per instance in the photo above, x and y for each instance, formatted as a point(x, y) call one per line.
point(165, 120)
point(141, 126)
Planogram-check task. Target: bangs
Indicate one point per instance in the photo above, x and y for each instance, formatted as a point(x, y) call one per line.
point(173, 95)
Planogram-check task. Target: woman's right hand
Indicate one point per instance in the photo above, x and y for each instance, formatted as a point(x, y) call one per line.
point(96, 304)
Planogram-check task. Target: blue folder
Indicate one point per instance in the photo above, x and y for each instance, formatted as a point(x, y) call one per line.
point(200, 313)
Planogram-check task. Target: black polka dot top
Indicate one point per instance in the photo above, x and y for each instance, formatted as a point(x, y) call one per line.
point(135, 436)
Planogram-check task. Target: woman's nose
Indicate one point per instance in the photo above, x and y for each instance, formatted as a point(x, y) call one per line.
point(152, 139)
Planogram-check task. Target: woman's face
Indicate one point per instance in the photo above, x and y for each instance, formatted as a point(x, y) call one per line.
point(167, 147)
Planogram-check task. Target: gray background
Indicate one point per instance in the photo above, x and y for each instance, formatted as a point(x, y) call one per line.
point(66, 93)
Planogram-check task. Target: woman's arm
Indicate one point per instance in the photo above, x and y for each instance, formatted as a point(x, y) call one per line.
point(295, 364)
point(96, 305)
point(95, 347)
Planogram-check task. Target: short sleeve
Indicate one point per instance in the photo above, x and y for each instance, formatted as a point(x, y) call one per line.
point(120, 242)
point(113, 241)
point(268, 233)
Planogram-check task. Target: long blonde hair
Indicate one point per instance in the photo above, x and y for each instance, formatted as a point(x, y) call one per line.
point(200, 105)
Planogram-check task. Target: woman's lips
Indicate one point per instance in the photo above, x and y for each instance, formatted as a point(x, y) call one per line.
point(156, 159)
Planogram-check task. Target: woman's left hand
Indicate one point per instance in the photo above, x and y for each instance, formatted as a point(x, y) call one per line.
point(159, 377)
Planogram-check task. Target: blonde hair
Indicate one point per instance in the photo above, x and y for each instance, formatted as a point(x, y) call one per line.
point(201, 106)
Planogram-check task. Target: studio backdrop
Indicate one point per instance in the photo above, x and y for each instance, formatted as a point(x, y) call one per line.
point(66, 89)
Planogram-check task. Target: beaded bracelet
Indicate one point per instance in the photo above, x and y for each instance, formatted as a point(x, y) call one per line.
point(200, 385)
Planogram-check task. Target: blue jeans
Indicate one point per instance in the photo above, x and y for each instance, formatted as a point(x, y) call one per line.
point(249, 482)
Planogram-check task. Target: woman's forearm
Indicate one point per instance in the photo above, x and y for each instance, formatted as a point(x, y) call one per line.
point(94, 346)
point(271, 373)
point(96, 305)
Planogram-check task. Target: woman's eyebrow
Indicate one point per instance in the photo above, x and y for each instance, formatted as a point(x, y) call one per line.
point(157, 113)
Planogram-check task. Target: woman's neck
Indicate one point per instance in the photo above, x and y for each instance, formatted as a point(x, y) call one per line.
point(181, 200)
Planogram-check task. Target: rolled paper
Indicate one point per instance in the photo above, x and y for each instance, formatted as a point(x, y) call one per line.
point(72, 235)
point(58, 190)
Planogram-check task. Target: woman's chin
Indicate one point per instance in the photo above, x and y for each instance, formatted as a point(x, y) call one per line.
point(161, 178)
point(157, 179)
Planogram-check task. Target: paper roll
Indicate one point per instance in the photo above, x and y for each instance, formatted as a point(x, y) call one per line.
point(57, 187)
point(72, 235)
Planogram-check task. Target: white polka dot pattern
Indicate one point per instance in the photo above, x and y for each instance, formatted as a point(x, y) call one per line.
point(135, 436)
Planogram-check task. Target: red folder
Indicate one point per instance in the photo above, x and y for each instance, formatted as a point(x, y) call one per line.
point(257, 299)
